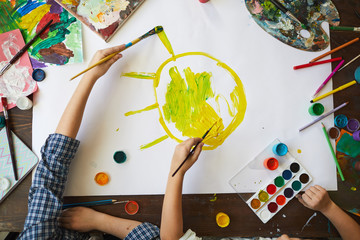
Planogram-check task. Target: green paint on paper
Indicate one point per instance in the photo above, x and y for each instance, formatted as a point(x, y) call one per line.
point(141, 75)
point(142, 147)
point(72, 41)
point(148, 108)
point(348, 145)
point(166, 42)
point(186, 99)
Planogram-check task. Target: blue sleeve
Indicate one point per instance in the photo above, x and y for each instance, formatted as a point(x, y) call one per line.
point(46, 192)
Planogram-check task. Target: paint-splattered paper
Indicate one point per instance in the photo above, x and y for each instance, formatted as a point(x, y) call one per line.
point(104, 17)
point(59, 45)
point(277, 100)
point(283, 28)
point(16, 81)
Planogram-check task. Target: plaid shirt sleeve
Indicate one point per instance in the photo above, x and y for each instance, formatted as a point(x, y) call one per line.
point(46, 192)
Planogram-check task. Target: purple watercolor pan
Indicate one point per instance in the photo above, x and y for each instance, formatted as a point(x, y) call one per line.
point(353, 125)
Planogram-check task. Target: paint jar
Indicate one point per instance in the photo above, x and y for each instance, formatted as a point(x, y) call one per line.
point(2, 122)
point(119, 157)
point(341, 121)
point(24, 103)
point(131, 207)
point(356, 135)
point(280, 149)
point(38, 75)
point(271, 163)
point(222, 219)
point(316, 109)
point(334, 133)
point(4, 184)
point(101, 178)
point(353, 125)
point(204, 1)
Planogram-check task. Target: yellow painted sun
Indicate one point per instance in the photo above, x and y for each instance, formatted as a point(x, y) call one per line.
point(189, 102)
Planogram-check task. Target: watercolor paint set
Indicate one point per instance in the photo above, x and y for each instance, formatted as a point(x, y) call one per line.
point(277, 175)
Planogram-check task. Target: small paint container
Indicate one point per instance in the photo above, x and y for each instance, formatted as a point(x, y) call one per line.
point(222, 219)
point(356, 135)
point(4, 184)
point(334, 133)
point(2, 122)
point(353, 125)
point(271, 163)
point(316, 109)
point(204, 1)
point(341, 121)
point(119, 157)
point(24, 103)
point(280, 149)
point(38, 75)
point(131, 207)
point(101, 178)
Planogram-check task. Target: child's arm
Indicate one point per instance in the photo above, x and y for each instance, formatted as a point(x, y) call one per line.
point(71, 119)
point(318, 199)
point(171, 218)
point(46, 192)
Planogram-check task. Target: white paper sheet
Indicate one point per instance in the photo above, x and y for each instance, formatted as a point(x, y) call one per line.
point(277, 97)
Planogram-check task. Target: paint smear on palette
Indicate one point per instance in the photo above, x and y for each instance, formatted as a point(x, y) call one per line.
point(279, 25)
point(16, 81)
point(59, 45)
point(188, 102)
point(102, 17)
point(346, 197)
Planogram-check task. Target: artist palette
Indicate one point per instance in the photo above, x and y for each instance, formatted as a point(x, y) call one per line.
point(281, 185)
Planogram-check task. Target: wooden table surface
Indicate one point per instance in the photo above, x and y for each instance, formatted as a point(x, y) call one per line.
point(199, 211)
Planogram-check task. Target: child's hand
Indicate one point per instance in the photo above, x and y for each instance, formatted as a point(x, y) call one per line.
point(286, 237)
point(316, 198)
point(80, 219)
point(101, 69)
point(181, 152)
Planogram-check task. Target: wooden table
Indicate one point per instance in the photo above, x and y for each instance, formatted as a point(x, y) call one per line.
point(199, 211)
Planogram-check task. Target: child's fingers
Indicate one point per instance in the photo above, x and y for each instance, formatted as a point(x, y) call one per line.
point(189, 143)
point(108, 51)
point(306, 198)
point(299, 197)
point(314, 189)
point(310, 193)
point(197, 152)
point(113, 59)
point(321, 189)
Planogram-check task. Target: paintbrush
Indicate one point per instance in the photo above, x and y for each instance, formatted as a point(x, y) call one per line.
point(93, 203)
point(193, 150)
point(351, 61)
point(24, 49)
point(9, 137)
point(157, 29)
point(345, 28)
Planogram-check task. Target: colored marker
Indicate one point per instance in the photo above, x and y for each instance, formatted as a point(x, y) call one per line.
point(335, 50)
point(148, 34)
point(287, 13)
point(317, 63)
point(344, 28)
point(336, 90)
point(329, 77)
point(324, 116)
point(332, 152)
point(23, 50)
point(351, 61)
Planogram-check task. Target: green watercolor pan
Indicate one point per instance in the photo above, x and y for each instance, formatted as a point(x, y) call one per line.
point(275, 188)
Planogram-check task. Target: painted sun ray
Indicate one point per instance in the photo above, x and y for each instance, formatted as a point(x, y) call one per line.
point(140, 75)
point(148, 108)
point(159, 140)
